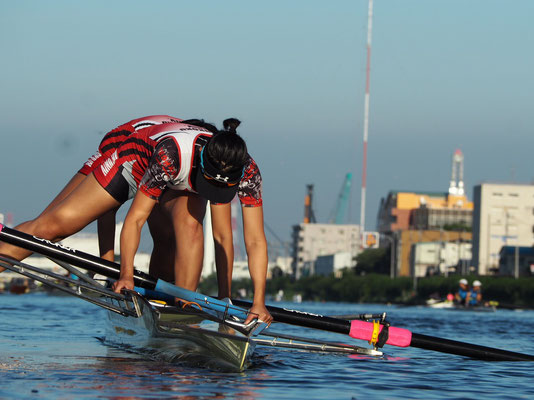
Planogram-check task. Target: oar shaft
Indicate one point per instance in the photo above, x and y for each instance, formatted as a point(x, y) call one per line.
point(110, 269)
point(294, 317)
point(300, 318)
point(71, 256)
point(466, 349)
point(425, 342)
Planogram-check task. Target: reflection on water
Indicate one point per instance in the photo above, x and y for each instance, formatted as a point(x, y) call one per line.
point(49, 349)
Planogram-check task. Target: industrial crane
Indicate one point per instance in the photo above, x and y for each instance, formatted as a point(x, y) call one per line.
point(338, 215)
point(309, 216)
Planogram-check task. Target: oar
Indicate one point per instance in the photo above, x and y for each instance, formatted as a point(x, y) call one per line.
point(357, 329)
point(144, 283)
point(363, 330)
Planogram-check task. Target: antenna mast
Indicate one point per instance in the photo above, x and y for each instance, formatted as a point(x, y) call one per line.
point(366, 115)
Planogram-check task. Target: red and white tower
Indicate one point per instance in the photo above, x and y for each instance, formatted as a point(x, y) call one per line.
point(366, 116)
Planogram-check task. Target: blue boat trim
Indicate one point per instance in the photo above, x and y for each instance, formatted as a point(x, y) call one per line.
point(209, 304)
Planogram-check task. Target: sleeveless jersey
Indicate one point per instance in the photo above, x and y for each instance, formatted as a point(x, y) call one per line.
point(113, 139)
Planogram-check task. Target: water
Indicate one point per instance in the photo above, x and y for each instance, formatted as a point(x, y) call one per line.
point(49, 350)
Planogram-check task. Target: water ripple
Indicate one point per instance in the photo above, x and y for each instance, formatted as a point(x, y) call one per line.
point(49, 350)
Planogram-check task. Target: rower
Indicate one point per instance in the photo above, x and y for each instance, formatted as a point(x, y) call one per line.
point(474, 297)
point(182, 165)
point(463, 290)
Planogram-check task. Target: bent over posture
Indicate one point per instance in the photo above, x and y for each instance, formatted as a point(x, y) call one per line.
point(183, 156)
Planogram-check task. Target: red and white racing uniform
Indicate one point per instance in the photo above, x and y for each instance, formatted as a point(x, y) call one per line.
point(157, 157)
point(113, 139)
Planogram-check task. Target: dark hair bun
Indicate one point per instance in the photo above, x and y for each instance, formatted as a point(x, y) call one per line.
point(231, 124)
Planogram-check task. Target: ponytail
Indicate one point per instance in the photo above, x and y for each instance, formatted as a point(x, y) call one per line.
point(227, 149)
point(231, 124)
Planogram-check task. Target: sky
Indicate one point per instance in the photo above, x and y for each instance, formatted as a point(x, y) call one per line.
point(445, 75)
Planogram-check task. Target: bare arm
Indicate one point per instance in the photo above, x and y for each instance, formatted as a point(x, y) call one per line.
point(256, 245)
point(137, 215)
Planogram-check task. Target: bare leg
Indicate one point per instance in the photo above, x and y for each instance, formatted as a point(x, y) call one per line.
point(221, 220)
point(83, 205)
point(69, 187)
point(106, 235)
point(162, 257)
point(187, 212)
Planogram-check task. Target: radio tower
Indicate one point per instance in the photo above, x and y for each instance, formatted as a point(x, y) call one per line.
point(366, 116)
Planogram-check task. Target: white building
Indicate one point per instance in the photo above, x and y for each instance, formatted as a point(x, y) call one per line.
point(429, 258)
point(503, 216)
point(312, 240)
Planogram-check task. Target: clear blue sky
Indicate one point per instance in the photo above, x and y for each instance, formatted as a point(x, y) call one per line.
point(446, 74)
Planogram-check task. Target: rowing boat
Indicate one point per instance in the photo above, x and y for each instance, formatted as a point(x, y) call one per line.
point(451, 305)
point(199, 331)
point(171, 334)
point(201, 335)
point(152, 327)
point(165, 321)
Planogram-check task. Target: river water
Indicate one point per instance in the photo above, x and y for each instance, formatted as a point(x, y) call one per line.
point(49, 349)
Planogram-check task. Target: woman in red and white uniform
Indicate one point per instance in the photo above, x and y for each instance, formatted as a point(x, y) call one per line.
point(183, 156)
point(110, 142)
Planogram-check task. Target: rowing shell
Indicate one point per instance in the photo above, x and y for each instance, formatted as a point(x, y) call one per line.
point(168, 333)
point(208, 334)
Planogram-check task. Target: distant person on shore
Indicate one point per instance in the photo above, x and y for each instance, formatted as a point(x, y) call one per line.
point(474, 297)
point(461, 295)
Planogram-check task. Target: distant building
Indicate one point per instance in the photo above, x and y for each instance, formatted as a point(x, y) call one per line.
point(503, 216)
point(407, 218)
point(512, 257)
point(426, 218)
point(432, 258)
point(283, 263)
point(333, 264)
point(312, 240)
point(406, 241)
point(422, 210)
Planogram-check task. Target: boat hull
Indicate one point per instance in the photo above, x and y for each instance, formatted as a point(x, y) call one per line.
point(169, 334)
